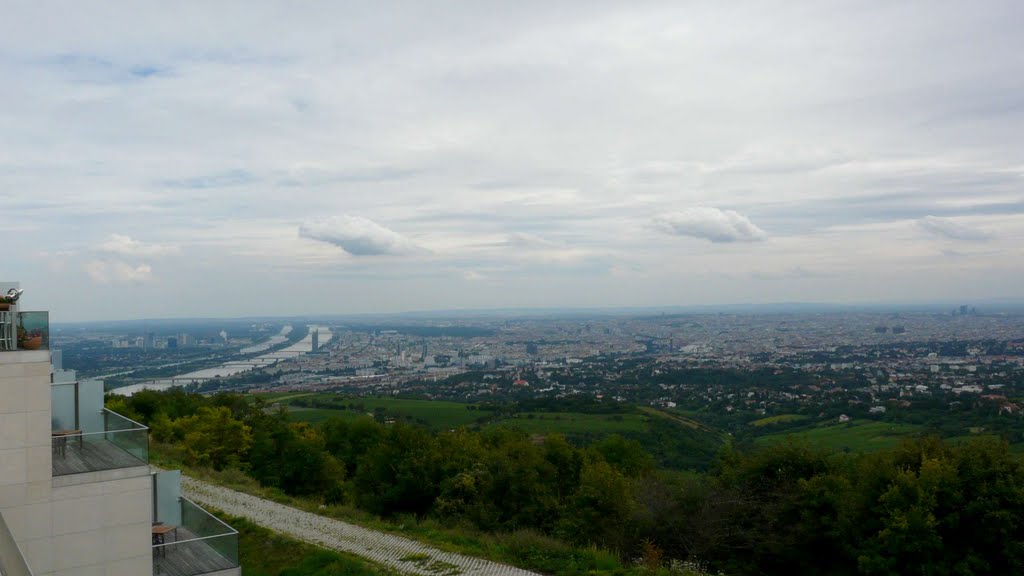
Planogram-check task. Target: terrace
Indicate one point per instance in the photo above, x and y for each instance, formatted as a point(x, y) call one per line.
point(86, 437)
point(187, 540)
point(21, 330)
point(29, 330)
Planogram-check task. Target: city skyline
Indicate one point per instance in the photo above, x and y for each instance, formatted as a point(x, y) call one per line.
point(181, 161)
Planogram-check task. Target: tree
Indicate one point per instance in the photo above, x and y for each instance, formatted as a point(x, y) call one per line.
point(212, 437)
point(401, 474)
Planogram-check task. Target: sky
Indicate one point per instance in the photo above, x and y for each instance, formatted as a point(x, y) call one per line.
point(187, 159)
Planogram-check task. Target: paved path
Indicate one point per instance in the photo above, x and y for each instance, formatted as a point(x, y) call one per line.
point(401, 554)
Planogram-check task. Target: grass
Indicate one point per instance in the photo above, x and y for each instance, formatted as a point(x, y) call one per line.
point(436, 414)
point(272, 397)
point(781, 418)
point(576, 423)
point(524, 548)
point(318, 415)
point(676, 440)
point(442, 415)
point(423, 562)
point(445, 416)
point(677, 416)
point(265, 553)
point(856, 436)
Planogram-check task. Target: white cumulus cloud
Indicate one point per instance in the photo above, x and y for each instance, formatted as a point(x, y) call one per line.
point(128, 246)
point(358, 236)
point(711, 224)
point(118, 272)
point(948, 228)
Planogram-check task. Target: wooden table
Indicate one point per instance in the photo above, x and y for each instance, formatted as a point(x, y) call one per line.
point(60, 437)
point(160, 536)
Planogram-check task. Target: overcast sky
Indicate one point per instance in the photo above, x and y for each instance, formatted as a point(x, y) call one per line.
point(163, 159)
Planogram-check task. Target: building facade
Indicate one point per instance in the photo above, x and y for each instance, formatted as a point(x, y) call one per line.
point(77, 494)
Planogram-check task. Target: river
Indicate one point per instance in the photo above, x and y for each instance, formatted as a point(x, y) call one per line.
point(304, 346)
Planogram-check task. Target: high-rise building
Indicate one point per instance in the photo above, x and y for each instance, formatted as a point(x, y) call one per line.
point(79, 501)
point(316, 340)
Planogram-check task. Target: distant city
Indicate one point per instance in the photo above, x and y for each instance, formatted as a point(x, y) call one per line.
point(862, 364)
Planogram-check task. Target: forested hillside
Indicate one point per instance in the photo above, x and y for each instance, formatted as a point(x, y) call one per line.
point(927, 506)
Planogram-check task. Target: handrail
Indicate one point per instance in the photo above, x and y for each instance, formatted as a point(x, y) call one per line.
point(137, 424)
point(140, 426)
point(115, 433)
point(195, 539)
point(98, 433)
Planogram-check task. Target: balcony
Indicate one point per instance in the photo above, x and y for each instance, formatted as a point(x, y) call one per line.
point(86, 437)
point(187, 540)
point(24, 330)
point(33, 330)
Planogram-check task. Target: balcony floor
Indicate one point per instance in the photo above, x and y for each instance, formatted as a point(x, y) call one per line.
point(92, 456)
point(188, 558)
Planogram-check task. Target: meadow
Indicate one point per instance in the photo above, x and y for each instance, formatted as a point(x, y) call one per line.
point(780, 419)
point(855, 436)
point(574, 423)
point(441, 415)
point(434, 413)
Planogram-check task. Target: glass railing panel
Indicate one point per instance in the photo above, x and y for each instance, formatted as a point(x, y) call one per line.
point(127, 435)
point(122, 443)
point(33, 330)
point(201, 544)
point(206, 525)
point(63, 410)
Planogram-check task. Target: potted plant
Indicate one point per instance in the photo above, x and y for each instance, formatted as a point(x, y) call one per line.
point(12, 296)
point(30, 340)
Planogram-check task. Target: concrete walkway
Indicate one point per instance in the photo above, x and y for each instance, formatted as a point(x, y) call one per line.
point(401, 554)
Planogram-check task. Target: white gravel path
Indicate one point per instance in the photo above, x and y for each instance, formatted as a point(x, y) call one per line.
point(379, 547)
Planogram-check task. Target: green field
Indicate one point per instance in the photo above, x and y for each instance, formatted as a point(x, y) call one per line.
point(673, 439)
point(445, 415)
point(856, 436)
point(442, 415)
point(781, 418)
point(576, 423)
point(318, 415)
point(436, 414)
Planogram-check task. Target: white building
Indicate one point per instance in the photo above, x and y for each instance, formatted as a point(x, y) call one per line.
point(77, 495)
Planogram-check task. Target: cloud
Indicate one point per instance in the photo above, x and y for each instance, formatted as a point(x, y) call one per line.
point(118, 272)
point(358, 236)
point(523, 240)
point(217, 180)
point(127, 246)
point(948, 228)
point(711, 224)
